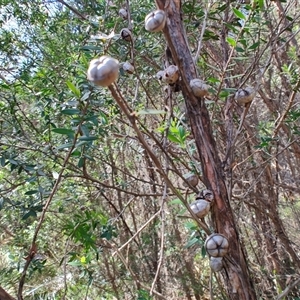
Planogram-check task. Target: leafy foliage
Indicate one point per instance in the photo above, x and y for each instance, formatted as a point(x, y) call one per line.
point(77, 184)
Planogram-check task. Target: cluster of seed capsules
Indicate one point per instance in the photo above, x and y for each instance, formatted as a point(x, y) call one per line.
point(104, 71)
point(216, 244)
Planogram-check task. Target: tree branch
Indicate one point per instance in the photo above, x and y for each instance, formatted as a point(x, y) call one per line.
point(288, 289)
point(4, 295)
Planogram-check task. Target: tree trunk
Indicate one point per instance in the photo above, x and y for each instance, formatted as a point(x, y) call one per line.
point(236, 276)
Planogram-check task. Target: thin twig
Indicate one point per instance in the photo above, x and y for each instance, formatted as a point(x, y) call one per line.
point(45, 209)
point(288, 289)
point(162, 241)
point(74, 10)
point(137, 233)
point(290, 103)
point(138, 282)
point(201, 37)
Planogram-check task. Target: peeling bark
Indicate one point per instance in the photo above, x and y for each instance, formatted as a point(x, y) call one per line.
point(236, 276)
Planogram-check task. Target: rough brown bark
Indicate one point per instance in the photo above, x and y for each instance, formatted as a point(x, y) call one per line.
point(237, 279)
point(4, 295)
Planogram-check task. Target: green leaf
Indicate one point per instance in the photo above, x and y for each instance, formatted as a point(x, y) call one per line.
point(174, 139)
point(80, 162)
point(1, 203)
point(239, 49)
point(182, 133)
point(73, 88)
point(239, 14)
point(92, 48)
point(176, 201)
point(193, 242)
point(143, 295)
point(261, 4)
point(76, 153)
point(231, 41)
point(30, 213)
point(31, 192)
point(13, 162)
point(81, 143)
point(210, 35)
point(191, 226)
point(70, 111)
point(74, 263)
point(254, 46)
point(203, 251)
point(88, 138)
point(226, 92)
point(2, 161)
point(213, 80)
point(151, 112)
point(63, 146)
point(63, 131)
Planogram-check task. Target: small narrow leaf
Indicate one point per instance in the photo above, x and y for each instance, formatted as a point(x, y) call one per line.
point(231, 41)
point(239, 14)
point(63, 131)
point(30, 213)
point(88, 138)
point(63, 146)
point(174, 139)
point(73, 88)
point(91, 48)
point(80, 162)
point(74, 263)
point(239, 49)
point(191, 242)
point(203, 251)
point(176, 201)
point(70, 111)
point(254, 46)
point(31, 192)
point(1, 203)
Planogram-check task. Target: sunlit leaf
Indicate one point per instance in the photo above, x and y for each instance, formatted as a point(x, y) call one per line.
point(176, 201)
point(73, 88)
point(239, 14)
point(174, 139)
point(231, 41)
point(74, 263)
point(55, 175)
